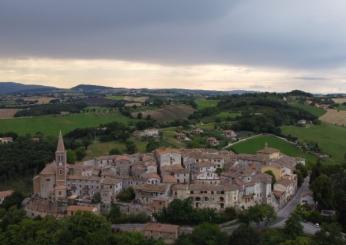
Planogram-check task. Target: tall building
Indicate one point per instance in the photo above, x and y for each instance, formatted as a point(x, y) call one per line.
point(60, 161)
point(51, 181)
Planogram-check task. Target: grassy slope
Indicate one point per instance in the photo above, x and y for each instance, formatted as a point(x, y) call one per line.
point(50, 125)
point(331, 139)
point(97, 148)
point(309, 108)
point(254, 144)
point(204, 103)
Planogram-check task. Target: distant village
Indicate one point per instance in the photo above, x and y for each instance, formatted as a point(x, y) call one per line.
point(215, 179)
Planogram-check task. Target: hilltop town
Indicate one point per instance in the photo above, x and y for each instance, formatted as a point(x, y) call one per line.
point(215, 179)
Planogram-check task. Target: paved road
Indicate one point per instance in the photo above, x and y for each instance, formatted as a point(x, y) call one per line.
point(284, 213)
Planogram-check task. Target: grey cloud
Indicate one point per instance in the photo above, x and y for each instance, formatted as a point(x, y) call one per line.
point(289, 33)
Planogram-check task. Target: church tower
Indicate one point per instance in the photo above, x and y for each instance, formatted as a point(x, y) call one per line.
point(60, 176)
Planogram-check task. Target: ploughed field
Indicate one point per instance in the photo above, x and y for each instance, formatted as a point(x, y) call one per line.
point(334, 117)
point(7, 113)
point(50, 125)
point(168, 113)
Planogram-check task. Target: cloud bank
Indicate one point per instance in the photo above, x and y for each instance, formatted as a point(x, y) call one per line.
point(307, 37)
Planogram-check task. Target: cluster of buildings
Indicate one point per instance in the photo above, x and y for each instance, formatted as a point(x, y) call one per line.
point(211, 178)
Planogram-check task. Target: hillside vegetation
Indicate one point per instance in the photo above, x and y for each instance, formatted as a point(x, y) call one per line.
point(50, 125)
point(252, 145)
point(330, 138)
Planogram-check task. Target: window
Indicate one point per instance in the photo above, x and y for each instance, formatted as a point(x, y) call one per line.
point(61, 171)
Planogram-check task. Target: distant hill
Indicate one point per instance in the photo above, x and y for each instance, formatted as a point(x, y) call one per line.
point(86, 88)
point(15, 88)
point(299, 93)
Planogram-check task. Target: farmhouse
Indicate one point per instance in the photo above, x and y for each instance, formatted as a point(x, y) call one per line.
point(4, 195)
point(6, 140)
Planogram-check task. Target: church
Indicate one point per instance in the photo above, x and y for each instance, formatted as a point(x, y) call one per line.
point(52, 180)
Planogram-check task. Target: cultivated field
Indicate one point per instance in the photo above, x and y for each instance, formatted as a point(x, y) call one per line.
point(41, 100)
point(97, 148)
point(339, 100)
point(334, 117)
point(169, 113)
point(252, 145)
point(50, 125)
point(7, 113)
point(204, 103)
point(330, 138)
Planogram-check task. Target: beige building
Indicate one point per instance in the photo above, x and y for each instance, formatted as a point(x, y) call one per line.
point(218, 197)
point(167, 232)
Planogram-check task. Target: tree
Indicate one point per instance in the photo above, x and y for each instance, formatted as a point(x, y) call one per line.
point(14, 200)
point(293, 227)
point(269, 172)
point(114, 213)
point(126, 195)
point(96, 198)
point(80, 153)
point(71, 156)
point(323, 190)
point(152, 145)
point(130, 147)
point(258, 214)
point(244, 235)
point(298, 241)
point(85, 228)
point(330, 234)
point(114, 151)
point(206, 234)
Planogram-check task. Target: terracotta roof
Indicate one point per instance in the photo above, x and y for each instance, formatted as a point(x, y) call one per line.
point(172, 168)
point(151, 188)
point(205, 187)
point(285, 182)
point(278, 194)
point(81, 177)
point(81, 208)
point(110, 181)
point(150, 176)
point(4, 194)
point(49, 169)
point(163, 228)
point(166, 150)
point(169, 179)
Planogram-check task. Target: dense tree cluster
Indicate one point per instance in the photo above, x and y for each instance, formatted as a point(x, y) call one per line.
point(263, 114)
point(82, 228)
point(116, 217)
point(181, 212)
point(49, 109)
point(328, 183)
point(25, 156)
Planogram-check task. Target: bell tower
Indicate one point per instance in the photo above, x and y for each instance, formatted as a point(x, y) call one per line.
point(60, 176)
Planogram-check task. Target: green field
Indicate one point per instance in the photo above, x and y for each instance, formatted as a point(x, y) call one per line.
point(97, 148)
point(115, 97)
point(168, 137)
point(309, 108)
point(252, 145)
point(204, 103)
point(331, 139)
point(225, 115)
point(50, 125)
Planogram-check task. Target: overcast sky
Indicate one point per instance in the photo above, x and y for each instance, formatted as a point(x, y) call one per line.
point(274, 45)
